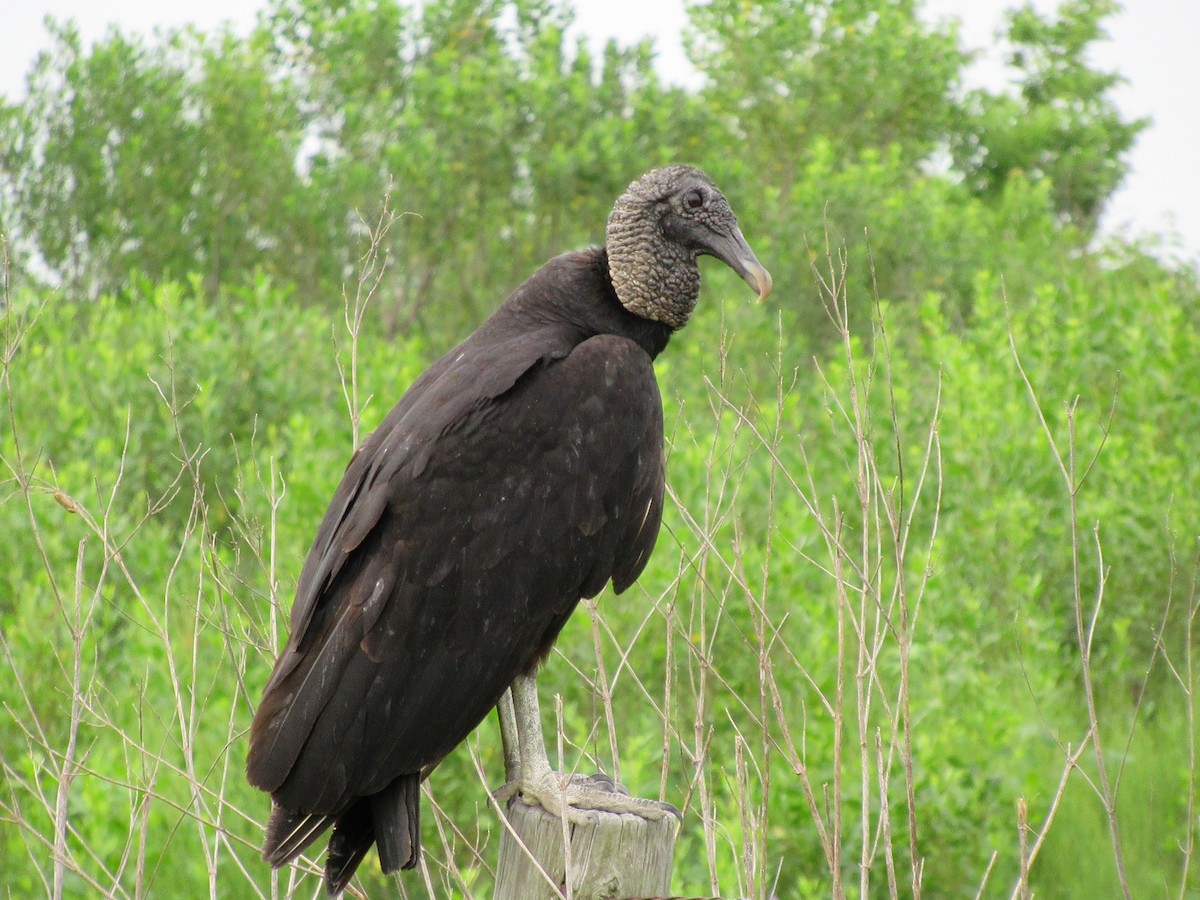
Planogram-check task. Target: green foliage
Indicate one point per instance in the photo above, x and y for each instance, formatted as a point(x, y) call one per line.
point(994, 650)
point(861, 75)
point(170, 425)
point(1155, 791)
point(219, 156)
point(1062, 125)
point(167, 158)
point(504, 142)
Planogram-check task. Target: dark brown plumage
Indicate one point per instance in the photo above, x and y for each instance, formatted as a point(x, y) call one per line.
point(522, 472)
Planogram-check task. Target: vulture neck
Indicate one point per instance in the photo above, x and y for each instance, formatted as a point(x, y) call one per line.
point(576, 289)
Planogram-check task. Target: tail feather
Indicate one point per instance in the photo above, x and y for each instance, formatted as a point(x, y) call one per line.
point(289, 834)
point(396, 811)
point(351, 839)
point(390, 818)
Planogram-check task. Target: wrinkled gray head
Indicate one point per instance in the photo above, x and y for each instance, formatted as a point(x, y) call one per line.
point(658, 227)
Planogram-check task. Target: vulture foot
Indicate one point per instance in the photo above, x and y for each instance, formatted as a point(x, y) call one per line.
point(578, 798)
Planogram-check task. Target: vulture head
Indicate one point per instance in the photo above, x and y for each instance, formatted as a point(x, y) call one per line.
point(657, 229)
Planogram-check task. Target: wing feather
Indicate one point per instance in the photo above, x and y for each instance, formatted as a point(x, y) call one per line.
point(429, 587)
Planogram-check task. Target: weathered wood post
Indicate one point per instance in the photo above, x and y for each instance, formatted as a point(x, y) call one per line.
point(613, 857)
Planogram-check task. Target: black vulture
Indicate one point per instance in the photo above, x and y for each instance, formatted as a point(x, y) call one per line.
point(522, 472)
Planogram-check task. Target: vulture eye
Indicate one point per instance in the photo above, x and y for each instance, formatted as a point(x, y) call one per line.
point(694, 200)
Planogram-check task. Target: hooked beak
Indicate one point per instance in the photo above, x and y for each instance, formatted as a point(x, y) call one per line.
point(732, 249)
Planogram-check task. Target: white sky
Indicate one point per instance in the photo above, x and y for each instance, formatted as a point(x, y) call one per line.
point(1154, 45)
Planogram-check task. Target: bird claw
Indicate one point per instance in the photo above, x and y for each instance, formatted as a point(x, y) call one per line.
point(507, 791)
point(581, 798)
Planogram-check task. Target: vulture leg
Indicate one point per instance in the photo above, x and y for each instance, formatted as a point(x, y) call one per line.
point(527, 768)
point(509, 738)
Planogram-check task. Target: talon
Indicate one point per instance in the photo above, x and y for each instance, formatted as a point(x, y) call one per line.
point(506, 791)
point(601, 780)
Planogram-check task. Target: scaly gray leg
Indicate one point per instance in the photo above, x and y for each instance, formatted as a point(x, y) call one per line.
point(509, 738)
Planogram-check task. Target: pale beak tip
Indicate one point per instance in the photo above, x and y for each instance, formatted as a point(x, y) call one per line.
point(764, 286)
point(760, 277)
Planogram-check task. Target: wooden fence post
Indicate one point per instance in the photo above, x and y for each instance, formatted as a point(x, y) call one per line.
point(616, 856)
